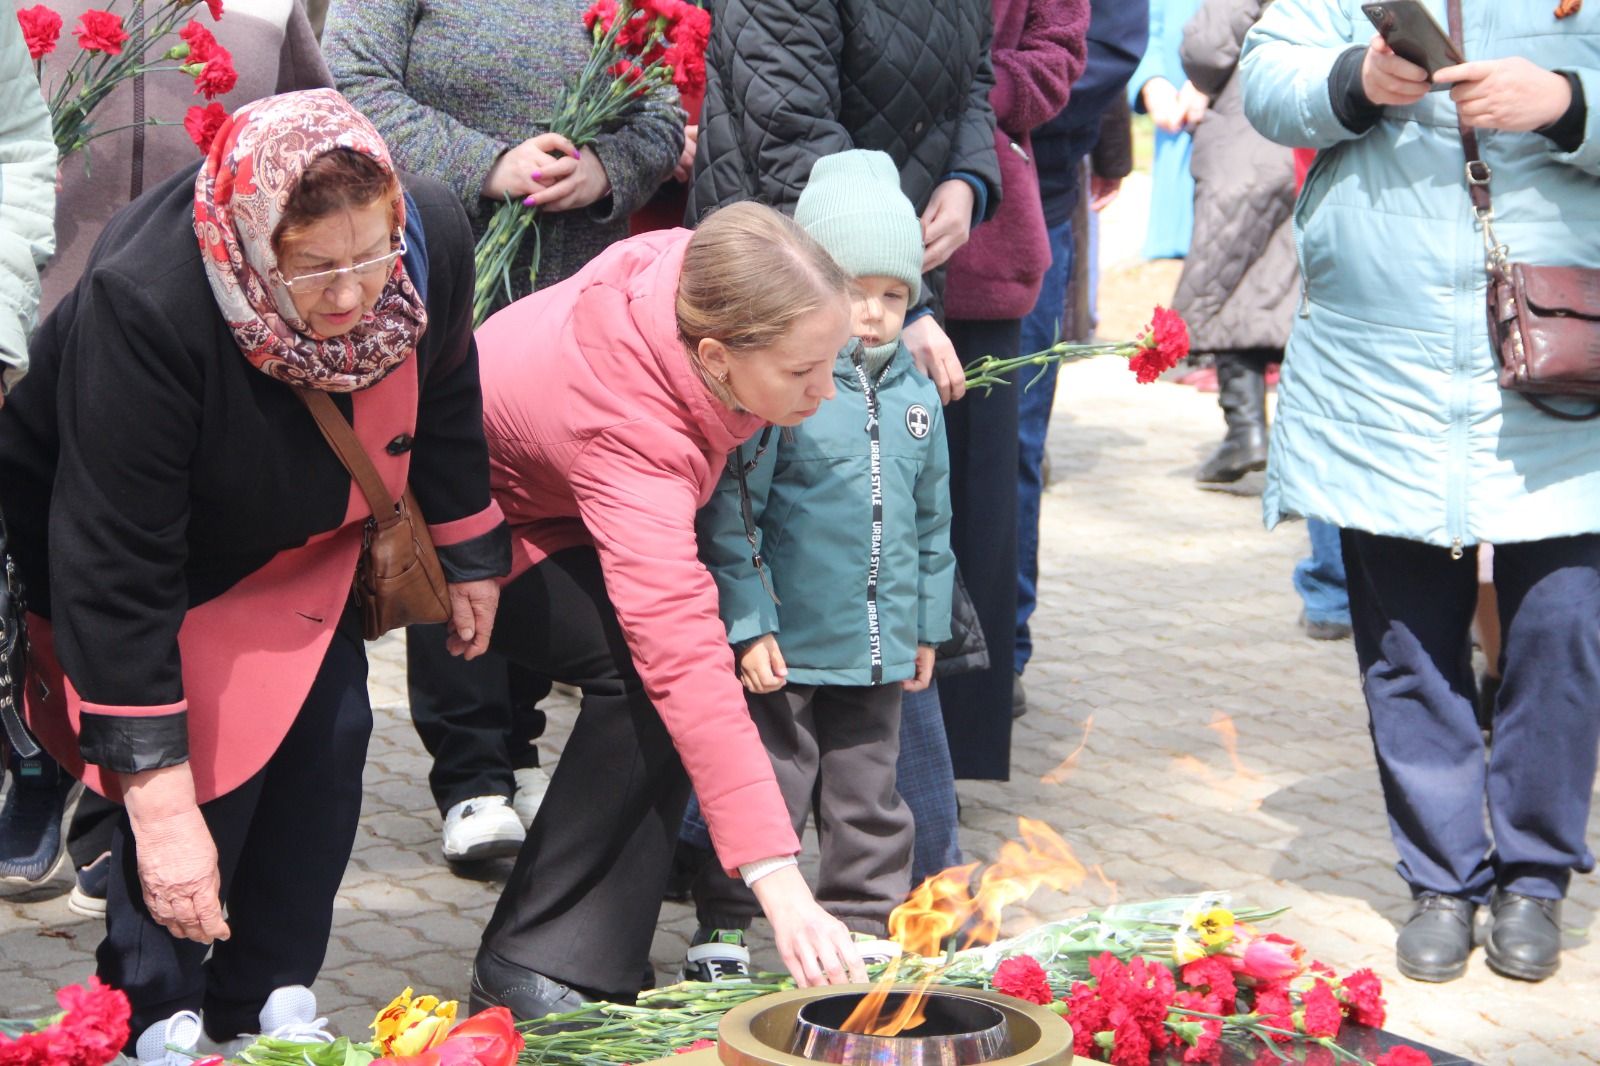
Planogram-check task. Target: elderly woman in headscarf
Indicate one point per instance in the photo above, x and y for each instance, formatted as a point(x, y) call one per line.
point(189, 538)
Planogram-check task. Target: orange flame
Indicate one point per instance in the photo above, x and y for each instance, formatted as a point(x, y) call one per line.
point(1111, 885)
point(869, 1016)
point(1223, 725)
point(944, 903)
point(1070, 763)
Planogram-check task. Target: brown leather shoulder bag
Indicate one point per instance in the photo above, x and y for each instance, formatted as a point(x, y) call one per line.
point(398, 581)
point(1544, 321)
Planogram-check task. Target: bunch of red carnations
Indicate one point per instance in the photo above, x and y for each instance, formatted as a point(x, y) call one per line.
point(1259, 986)
point(112, 49)
point(90, 1030)
point(642, 49)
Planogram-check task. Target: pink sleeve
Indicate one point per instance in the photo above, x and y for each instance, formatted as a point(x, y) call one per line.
point(636, 489)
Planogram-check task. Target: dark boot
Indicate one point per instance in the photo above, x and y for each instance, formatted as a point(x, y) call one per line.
point(1242, 394)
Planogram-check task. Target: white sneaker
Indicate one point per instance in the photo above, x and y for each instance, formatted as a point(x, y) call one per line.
point(532, 783)
point(484, 827)
point(290, 1013)
point(181, 1031)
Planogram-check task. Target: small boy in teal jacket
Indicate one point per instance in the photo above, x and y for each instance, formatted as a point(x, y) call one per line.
point(850, 514)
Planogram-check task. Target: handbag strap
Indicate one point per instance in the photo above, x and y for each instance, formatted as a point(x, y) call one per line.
point(1478, 173)
point(342, 439)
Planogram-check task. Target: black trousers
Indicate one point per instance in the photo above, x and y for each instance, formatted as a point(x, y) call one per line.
point(477, 719)
point(1411, 606)
point(283, 841)
point(982, 430)
point(582, 901)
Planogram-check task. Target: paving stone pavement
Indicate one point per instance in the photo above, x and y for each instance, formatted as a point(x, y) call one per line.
point(1166, 633)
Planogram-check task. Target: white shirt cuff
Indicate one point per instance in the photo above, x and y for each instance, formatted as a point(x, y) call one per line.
point(755, 871)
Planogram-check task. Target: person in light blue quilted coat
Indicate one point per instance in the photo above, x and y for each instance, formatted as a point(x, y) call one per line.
point(1391, 425)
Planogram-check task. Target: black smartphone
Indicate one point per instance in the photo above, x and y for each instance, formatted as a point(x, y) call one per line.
point(1415, 35)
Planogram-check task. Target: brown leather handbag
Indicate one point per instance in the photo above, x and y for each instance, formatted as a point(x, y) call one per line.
point(1544, 321)
point(399, 581)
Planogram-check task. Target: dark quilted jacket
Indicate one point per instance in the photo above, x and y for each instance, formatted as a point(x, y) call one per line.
point(788, 81)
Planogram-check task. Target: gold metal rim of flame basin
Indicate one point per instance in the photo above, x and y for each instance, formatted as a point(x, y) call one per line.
point(757, 1033)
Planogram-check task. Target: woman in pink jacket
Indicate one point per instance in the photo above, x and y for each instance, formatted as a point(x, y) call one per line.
point(610, 403)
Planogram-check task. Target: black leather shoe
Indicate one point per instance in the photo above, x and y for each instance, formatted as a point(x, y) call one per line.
point(1525, 937)
point(1435, 941)
point(497, 982)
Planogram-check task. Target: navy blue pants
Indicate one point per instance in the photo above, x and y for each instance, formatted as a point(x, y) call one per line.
point(1411, 606)
point(283, 841)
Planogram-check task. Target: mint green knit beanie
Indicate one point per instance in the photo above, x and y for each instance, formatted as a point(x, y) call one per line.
point(854, 208)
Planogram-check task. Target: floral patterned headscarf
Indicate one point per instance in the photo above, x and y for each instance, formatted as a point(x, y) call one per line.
point(255, 162)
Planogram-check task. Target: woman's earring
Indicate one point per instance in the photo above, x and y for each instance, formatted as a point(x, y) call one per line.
point(723, 377)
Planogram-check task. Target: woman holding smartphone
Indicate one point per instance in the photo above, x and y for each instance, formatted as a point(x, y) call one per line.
point(1391, 424)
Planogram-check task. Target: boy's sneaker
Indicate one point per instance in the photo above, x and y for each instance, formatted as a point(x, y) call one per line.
point(88, 895)
point(875, 951)
point(181, 1033)
point(484, 827)
point(290, 1013)
point(721, 957)
point(532, 783)
point(32, 842)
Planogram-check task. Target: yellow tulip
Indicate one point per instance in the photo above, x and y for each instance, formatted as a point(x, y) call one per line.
point(411, 1026)
point(1185, 949)
point(1215, 926)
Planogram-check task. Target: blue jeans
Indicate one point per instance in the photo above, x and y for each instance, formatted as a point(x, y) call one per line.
point(1039, 331)
point(1319, 578)
point(923, 777)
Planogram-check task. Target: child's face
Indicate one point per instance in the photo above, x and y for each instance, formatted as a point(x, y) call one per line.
point(878, 309)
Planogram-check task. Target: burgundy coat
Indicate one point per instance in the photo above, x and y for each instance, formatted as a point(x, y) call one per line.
point(1038, 52)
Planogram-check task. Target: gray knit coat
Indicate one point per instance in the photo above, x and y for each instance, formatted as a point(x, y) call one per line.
point(452, 84)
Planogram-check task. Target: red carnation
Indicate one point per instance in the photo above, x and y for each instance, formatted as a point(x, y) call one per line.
point(202, 124)
point(632, 73)
point(692, 27)
point(216, 9)
point(1272, 1004)
point(1022, 977)
point(1214, 974)
point(603, 12)
point(1402, 1056)
point(100, 31)
point(1207, 1047)
point(688, 68)
point(1163, 346)
point(1130, 1044)
point(1362, 993)
point(217, 76)
point(200, 41)
point(1322, 1013)
point(41, 28)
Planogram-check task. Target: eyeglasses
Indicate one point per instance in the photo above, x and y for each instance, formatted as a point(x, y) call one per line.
point(322, 280)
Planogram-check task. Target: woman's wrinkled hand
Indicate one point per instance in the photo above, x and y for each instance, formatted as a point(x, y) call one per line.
point(472, 607)
point(531, 166)
point(1160, 99)
point(1507, 94)
point(178, 872)
point(935, 356)
point(1192, 105)
point(586, 184)
point(761, 666)
point(815, 946)
point(1390, 81)
point(946, 222)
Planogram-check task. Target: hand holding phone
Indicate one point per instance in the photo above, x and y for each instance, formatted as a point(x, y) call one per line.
point(1412, 33)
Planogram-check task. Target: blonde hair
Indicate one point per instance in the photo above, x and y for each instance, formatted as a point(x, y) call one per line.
point(748, 275)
